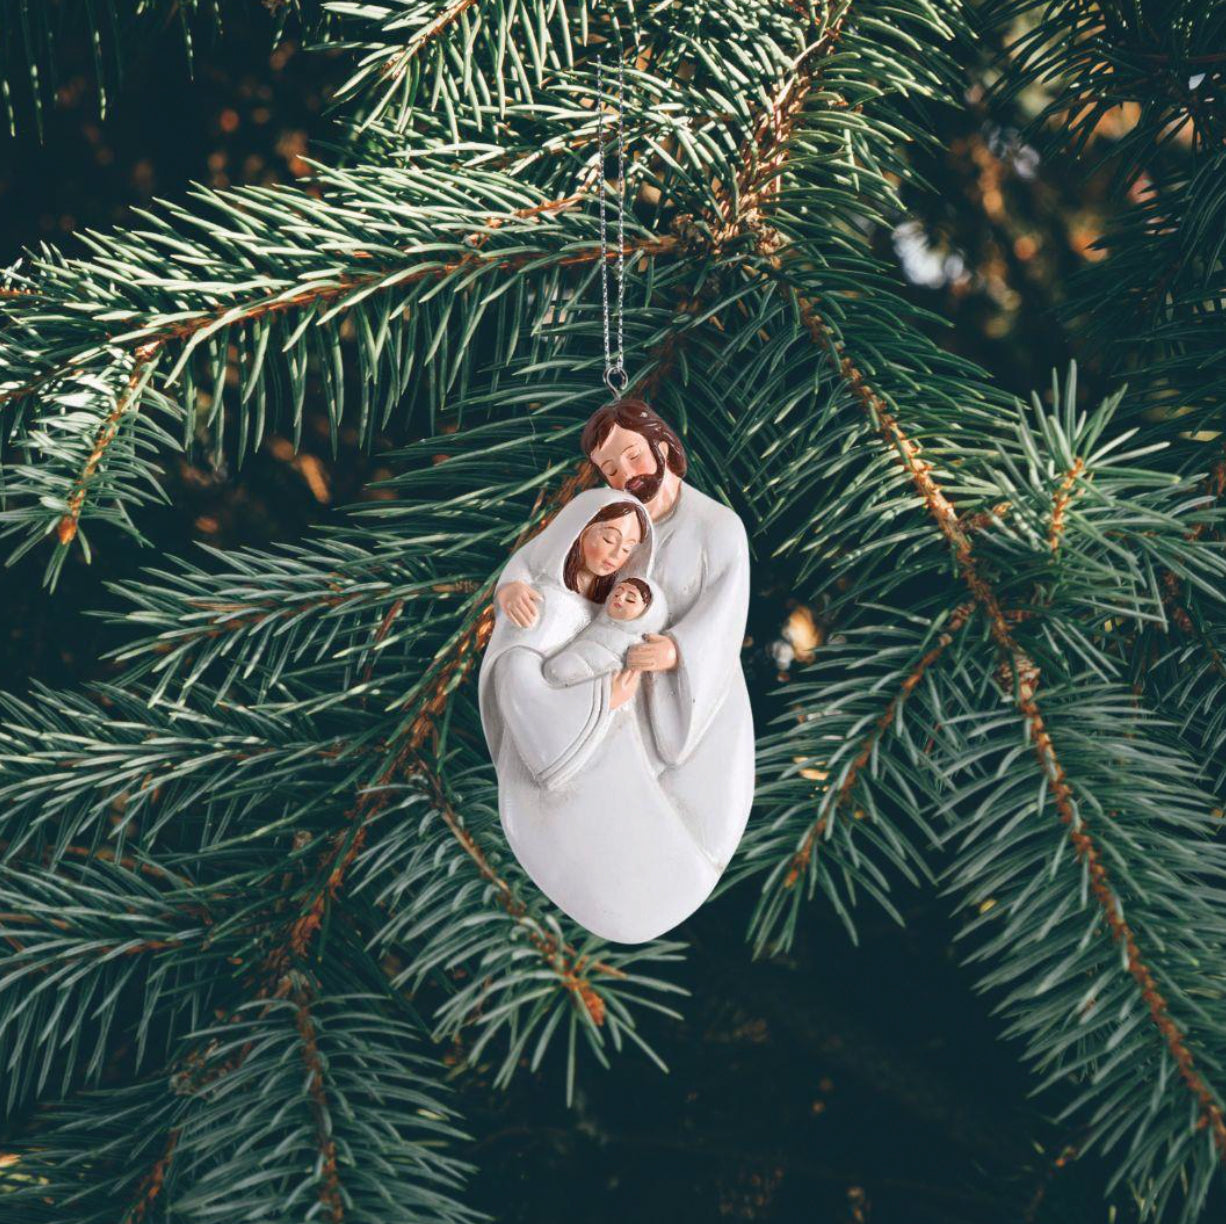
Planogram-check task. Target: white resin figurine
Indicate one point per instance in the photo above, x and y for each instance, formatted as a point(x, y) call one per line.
point(611, 691)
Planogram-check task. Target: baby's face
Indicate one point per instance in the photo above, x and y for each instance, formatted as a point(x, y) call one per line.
point(626, 602)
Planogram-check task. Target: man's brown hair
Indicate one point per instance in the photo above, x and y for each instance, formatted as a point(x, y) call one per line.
point(635, 414)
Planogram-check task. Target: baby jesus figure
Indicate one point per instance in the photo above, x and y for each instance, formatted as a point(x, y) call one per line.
point(632, 610)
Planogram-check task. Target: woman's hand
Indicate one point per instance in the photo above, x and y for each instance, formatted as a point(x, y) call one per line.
point(625, 685)
point(518, 601)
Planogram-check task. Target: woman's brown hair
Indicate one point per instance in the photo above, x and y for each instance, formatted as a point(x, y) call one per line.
point(598, 592)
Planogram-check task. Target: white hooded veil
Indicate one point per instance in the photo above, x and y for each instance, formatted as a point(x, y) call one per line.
point(578, 795)
point(555, 734)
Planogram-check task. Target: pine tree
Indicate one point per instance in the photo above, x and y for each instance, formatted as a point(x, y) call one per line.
point(255, 884)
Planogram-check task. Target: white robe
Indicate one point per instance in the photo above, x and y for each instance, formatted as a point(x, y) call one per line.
point(698, 715)
point(578, 797)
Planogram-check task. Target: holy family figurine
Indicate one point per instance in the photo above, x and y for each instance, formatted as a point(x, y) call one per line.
point(611, 690)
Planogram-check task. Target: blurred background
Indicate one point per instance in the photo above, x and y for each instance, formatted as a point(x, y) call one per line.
point(840, 1083)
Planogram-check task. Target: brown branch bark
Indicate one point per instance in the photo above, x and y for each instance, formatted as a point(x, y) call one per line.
point(395, 67)
point(151, 1184)
point(330, 1197)
point(801, 859)
point(1060, 502)
point(67, 529)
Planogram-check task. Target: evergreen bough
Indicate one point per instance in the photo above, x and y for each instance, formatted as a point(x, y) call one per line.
point(237, 868)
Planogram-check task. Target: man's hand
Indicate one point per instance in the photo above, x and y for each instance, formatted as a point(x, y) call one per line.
point(658, 653)
point(625, 685)
point(518, 601)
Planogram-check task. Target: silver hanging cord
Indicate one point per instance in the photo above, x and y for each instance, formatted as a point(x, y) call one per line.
point(615, 376)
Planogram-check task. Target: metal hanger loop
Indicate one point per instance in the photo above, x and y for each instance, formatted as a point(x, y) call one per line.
point(615, 370)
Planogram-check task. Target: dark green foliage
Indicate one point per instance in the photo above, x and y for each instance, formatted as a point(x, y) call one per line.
point(1016, 697)
point(1152, 308)
point(31, 32)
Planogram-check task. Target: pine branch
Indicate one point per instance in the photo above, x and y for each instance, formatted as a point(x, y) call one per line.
point(764, 319)
point(1076, 998)
point(800, 860)
point(1022, 675)
point(570, 966)
point(260, 1133)
point(1025, 677)
point(1143, 93)
point(176, 335)
point(339, 292)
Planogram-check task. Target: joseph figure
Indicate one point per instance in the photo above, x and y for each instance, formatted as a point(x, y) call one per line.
point(695, 714)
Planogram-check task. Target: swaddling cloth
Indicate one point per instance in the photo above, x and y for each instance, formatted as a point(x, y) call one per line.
point(601, 647)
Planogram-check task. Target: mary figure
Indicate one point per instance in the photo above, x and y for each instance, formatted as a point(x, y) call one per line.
point(578, 795)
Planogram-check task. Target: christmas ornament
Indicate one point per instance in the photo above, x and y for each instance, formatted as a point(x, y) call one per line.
point(611, 691)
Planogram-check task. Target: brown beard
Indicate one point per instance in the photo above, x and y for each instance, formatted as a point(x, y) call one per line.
point(646, 486)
